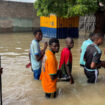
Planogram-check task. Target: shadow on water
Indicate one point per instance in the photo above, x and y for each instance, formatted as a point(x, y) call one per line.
point(19, 87)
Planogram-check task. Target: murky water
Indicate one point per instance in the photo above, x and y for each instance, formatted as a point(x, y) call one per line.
point(19, 87)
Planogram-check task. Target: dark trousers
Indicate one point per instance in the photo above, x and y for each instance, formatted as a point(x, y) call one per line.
point(91, 75)
point(50, 95)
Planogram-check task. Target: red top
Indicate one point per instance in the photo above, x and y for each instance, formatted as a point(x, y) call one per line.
point(66, 57)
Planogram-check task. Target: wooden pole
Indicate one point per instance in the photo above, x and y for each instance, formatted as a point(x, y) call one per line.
point(0, 85)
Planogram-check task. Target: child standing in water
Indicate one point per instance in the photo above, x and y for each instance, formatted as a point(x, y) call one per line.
point(66, 61)
point(49, 69)
point(85, 44)
point(92, 58)
point(36, 54)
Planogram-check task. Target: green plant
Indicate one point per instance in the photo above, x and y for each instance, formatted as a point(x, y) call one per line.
point(67, 8)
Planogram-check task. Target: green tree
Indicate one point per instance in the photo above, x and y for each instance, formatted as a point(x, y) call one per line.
point(69, 8)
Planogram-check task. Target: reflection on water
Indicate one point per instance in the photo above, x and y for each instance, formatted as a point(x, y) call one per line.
point(19, 88)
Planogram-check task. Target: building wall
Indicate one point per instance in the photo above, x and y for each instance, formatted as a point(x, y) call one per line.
point(21, 17)
point(18, 17)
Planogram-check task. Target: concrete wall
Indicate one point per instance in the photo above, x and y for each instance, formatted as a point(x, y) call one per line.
point(21, 17)
point(17, 17)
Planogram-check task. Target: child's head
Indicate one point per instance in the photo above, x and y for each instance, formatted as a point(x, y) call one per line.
point(54, 45)
point(69, 42)
point(98, 38)
point(38, 35)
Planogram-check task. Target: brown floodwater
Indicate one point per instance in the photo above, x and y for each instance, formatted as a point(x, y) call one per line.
point(19, 87)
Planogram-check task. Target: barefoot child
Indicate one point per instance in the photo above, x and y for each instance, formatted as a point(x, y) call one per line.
point(49, 69)
point(92, 58)
point(66, 61)
point(36, 54)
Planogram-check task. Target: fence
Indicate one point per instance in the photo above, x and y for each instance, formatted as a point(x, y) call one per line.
point(87, 23)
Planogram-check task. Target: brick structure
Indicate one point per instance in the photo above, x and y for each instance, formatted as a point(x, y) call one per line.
point(18, 17)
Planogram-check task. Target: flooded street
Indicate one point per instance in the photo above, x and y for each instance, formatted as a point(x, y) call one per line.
point(19, 87)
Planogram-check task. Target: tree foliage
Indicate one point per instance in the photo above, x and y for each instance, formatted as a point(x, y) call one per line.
point(67, 8)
